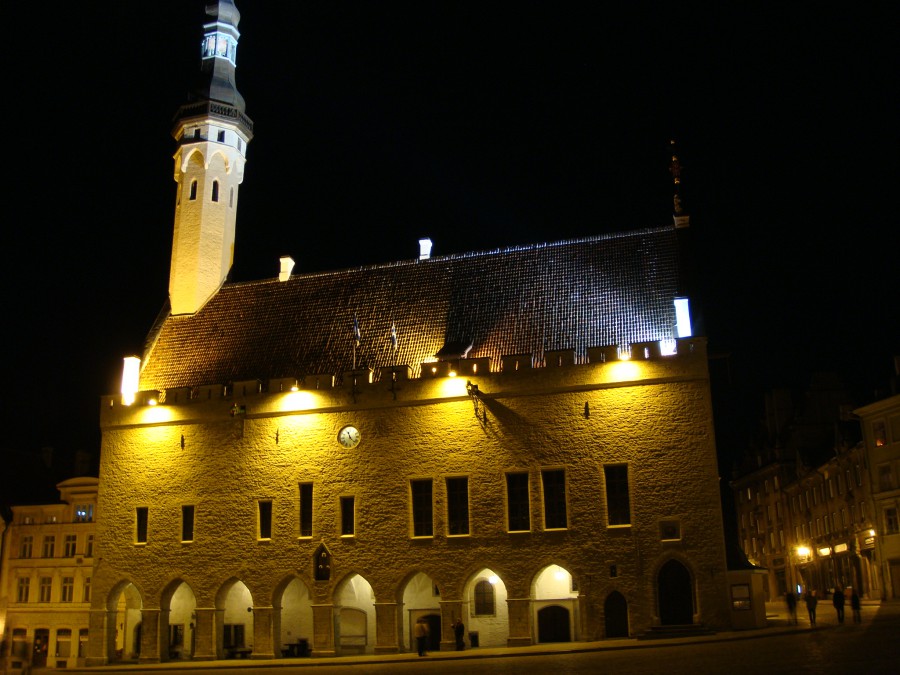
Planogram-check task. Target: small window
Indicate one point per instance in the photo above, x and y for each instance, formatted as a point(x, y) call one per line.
point(885, 480)
point(215, 191)
point(82, 642)
point(187, 523)
point(196, 133)
point(193, 193)
point(25, 546)
point(891, 523)
point(84, 513)
point(618, 501)
point(140, 525)
point(458, 506)
point(231, 198)
point(69, 545)
point(86, 590)
point(878, 434)
point(518, 507)
point(49, 547)
point(669, 530)
point(23, 586)
point(348, 516)
point(422, 508)
point(306, 509)
point(554, 485)
point(240, 145)
point(484, 598)
point(67, 590)
point(221, 137)
point(89, 547)
point(265, 519)
point(46, 588)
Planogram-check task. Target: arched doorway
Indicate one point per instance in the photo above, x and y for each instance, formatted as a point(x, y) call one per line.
point(553, 624)
point(178, 622)
point(293, 618)
point(488, 624)
point(354, 601)
point(421, 598)
point(676, 596)
point(234, 625)
point(615, 614)
point(124, 611)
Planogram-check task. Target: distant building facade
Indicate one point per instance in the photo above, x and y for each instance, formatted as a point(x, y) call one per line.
point(521, 439)
point(46, 574)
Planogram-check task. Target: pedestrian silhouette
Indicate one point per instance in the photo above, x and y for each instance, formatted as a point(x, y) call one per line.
point(811, 602)
point(791, 601)
point(855, 605)
point(838, 601)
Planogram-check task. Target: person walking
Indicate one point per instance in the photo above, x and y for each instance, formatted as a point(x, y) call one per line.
point(421, 634)
point(791, 601)
point(838, 601)
point(811, 602)
point(855, 605)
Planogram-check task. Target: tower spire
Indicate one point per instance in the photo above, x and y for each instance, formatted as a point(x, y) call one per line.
point(212, 131)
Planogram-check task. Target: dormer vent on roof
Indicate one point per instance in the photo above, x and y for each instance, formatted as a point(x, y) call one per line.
point(424, 248)
point(287, 265)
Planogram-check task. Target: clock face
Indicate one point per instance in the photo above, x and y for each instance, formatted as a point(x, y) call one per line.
point(349, 437)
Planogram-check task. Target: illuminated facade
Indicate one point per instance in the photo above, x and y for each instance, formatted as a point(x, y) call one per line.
point(519, 438)
point(45, 594)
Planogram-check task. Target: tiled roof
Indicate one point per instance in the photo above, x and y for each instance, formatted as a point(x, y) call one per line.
point(574, 294)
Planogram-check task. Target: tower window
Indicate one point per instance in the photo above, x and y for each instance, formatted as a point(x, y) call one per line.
point(140, 524)
point(348, 516)
point(458, 505)
point(265, 519)
point(554, 484)
point(306, 509)
point(422, 509)
point(196, 133)
point(517, 504)
point(618, 502)
point(187, 523)
point(221, 137)
point(193, 190)
point(215, 191)
point(231, 198)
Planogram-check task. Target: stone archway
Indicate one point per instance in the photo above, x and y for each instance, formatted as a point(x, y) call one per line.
point(124, 615)
point(675, 594)
point(234, 619)
point(177, 622)
point(553, 624)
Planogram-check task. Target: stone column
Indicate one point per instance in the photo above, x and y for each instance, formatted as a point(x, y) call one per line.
point(149, 636)
point(263, 643)
point(101, 637)
point(323, 630)
point(386, 628)
point(204, 634)
point(451, 610)
point(519, 622)
point(164, 635)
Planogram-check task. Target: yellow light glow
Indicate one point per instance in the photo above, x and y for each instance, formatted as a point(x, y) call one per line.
point(451, 386)
point(131, 372)
point(840, 548)
point(559, 575)
point(433, 369)
point(152, 401)
point(297, 400)
point(493, 579)
point(871, 533)
point(802, 550)
point(624, 352)
point(452, 373)
point(623, 371)
point(824, 551)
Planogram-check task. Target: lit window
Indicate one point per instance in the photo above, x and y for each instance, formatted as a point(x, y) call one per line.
point(265, 519)
point(554, 485)
point(306, 509)
point(422, 508)
point(878, 434)
point(618, 502)
point(84, 513)
point(518, 509)
point(484, 598)
point(458, 505)
point(348, 516)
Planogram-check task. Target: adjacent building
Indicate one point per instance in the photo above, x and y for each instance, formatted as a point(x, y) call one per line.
point(46, 578)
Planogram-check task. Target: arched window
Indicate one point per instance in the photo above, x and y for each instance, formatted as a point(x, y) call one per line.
point(193, 190)
point(215, 191)
point(484, 598)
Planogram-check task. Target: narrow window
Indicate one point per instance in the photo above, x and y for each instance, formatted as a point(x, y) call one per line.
point(265, 519)
point(26, 546)
point(69, 545)
point(891, 523)
point(82, 642)
point(49, 546)
point(458, 505)
point(554, 484)
point(422, 509)
point(193, 194)
point(68, 587)
point(140, 525)
point(518, 507)
point(618, 502)
point(46, 587)
point(196, 133)
point(348, 516)
point(89, 547)
point(221, 137)
point(22, 588)
point(240, 145)
point(187, 523)
point(215, 191)
point(231, 198)
point(484, 598)
point(306, 509)
point(86, 590)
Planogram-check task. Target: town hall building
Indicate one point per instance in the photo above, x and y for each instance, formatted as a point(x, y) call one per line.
point(521, 439)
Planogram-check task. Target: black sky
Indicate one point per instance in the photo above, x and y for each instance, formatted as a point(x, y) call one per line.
point(480, 125)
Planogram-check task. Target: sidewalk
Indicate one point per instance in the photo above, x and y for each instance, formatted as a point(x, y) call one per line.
point(776, 615)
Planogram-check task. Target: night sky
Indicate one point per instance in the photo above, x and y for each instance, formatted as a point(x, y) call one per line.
point(481, 125)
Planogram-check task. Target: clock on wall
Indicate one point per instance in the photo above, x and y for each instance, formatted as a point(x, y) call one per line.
point(349, 436)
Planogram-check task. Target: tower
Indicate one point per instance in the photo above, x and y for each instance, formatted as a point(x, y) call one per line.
point(212, 131)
